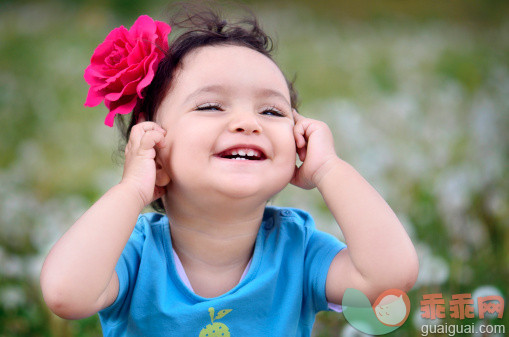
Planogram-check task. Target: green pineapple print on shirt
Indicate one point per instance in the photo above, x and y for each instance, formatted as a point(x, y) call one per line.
point(216, 329)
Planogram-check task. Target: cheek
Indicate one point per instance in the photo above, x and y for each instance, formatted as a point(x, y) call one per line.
point(187, 146)
point(180, 150)
point(287, 152)
point(287, 146)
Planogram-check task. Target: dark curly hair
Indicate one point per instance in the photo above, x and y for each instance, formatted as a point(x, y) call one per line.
point(201, 24)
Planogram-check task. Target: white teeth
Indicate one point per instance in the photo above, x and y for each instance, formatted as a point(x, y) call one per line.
point(243, 154)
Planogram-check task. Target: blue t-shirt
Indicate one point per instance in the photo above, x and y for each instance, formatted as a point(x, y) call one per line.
point(280, 294)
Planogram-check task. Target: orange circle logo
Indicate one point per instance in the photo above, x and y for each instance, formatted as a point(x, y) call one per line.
point(392, 307)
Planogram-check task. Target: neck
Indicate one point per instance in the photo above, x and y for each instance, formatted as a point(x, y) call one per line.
point(214, 238)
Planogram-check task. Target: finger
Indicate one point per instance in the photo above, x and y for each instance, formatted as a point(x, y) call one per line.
point(139, 129)
point(161, 143)
point(147, 126)
point(150, 139)
point(298, 131)
point(296, 115)
point(302, 154)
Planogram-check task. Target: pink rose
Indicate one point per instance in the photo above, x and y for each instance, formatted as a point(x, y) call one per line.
point(124, 64)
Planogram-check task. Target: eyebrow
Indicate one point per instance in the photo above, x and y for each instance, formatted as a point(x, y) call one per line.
point(263, 92)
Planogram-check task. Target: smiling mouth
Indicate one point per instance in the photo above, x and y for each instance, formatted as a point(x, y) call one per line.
point(242, 154)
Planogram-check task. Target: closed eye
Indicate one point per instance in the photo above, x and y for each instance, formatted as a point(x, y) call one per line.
point(273, 111)
point(209, 106)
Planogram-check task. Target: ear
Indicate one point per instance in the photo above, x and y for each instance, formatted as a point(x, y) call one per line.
point(162, 176)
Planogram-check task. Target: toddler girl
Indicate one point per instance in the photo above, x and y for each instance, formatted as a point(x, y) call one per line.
point(213, 135)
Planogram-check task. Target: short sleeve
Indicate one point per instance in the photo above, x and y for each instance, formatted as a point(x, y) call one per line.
point(320, 251)
point(127, 270)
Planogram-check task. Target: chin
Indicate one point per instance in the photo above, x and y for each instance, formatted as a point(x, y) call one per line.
point(250, 189)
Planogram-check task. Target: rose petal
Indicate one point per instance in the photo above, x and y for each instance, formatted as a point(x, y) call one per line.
point(90, 75)
point(125, 106)
point(93, 77)
point(137, 54)
point(118, 77)
point(151, 67)
point(128, 90)
point(93, 98)
point(162, 32)
point(143, 28)
point(105, 48)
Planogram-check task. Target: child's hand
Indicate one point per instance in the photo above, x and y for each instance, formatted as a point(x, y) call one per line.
point(315, 147)
point(140, 166)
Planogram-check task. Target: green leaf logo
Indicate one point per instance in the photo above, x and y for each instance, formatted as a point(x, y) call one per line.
point(222, 313)
point(216, 329)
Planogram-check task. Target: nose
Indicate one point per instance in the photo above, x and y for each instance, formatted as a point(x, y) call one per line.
point(245, 122)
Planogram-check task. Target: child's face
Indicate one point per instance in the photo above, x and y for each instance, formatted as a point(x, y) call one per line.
point(227, 101)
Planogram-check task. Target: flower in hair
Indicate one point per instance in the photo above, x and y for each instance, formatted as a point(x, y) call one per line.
point(125, 64)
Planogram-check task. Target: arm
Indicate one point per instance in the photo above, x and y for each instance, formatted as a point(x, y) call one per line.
point(380, 254)
point(78, 277)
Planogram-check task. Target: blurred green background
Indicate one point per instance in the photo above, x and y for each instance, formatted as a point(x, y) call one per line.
point(416, 93)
